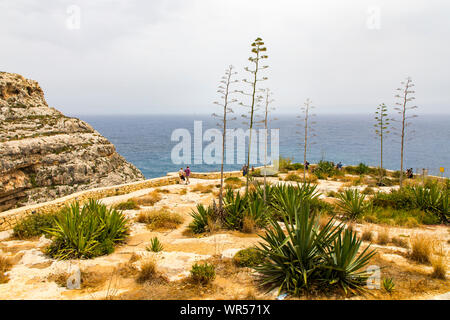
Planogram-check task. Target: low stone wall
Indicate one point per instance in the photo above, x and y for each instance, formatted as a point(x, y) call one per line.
point(8, 219)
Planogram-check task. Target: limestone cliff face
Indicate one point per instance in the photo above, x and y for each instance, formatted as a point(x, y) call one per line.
point(44, 154)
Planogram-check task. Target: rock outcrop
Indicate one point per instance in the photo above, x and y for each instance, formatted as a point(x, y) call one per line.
point(44, 154)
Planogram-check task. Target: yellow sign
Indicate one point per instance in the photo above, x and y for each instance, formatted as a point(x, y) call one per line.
point(441, 169)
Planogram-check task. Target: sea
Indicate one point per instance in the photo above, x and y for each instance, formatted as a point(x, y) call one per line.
point(145, 141)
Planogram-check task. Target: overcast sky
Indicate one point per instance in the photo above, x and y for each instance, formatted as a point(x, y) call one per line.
point(167, 56)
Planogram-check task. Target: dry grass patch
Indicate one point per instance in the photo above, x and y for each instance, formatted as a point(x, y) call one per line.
point(248, 225)
point(421, 248)
point(89, 279)
point(160, 219)
point(203, 188)
point(127, 269)
point(5, 265)
point(234, 183)
point(400, 242)
point(162, 190)
point(383, 237)
point(367, 234)
point(148, 199)
point(439, 267)
point(149, 273)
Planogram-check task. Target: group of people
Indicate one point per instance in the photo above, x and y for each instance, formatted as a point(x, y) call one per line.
point(184, 175)
point(245, 169)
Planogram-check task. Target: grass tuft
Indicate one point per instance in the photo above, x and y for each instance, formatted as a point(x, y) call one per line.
point(421, 248)
point(160, 219)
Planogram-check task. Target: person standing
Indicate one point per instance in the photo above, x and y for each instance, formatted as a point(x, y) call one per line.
point(244, 170)
point(187, 173)
point(306, 165)
point(181, 175)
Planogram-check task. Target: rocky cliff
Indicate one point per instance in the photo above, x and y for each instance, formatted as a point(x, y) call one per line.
point(44, 154)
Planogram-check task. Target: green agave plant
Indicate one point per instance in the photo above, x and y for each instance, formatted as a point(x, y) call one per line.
point(235, 208)
point(200, 218)
point(155, 245)
point(352, 203)
point(306, 256)
point(86, 232)
point(432, 199)
point(288, 198)
point(344, 266)
point(258, 212)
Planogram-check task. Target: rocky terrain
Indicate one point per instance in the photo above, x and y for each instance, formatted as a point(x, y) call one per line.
point(44, 154)
point(34, 275)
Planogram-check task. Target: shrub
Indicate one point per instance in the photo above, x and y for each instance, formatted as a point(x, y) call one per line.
point(155, 245)
point(86, 232)
point(201, 219)
point(325, 169)
point(396, 199)
point(250, 257)
point(368, 190)
point(421, 248)
point(407, 218)
point(5, 266)
point(160, 219)
point(332, 194)
point(149, 199)
point(303, 258)
point(203, 273)
point(33, 225)
point(128, 205)
point(285, 164)
point(388, 285)
point(351, 203)
point(293, 177)
point(233, 182)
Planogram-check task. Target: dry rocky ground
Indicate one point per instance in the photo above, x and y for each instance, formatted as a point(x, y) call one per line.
point(36, 276)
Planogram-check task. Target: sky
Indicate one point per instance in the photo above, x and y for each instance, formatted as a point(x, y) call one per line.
point(167, 56)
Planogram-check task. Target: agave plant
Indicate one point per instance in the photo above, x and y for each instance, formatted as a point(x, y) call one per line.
point(155, 245)
point(432, 199)
point(288, 198)
point(344, 266)
point(307, 256)
point(388, 285)
point(257, 211)
point(352, 203)
point(86, 232)
point(235, 207)
point(201, 218)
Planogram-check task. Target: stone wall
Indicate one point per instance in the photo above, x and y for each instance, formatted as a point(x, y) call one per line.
point(8, 219)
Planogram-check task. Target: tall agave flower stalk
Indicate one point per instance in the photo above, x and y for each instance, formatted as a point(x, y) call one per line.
point(256, 60)
point(226, 100)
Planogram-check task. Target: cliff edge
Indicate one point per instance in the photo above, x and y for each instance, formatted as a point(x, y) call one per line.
point(46, 155)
